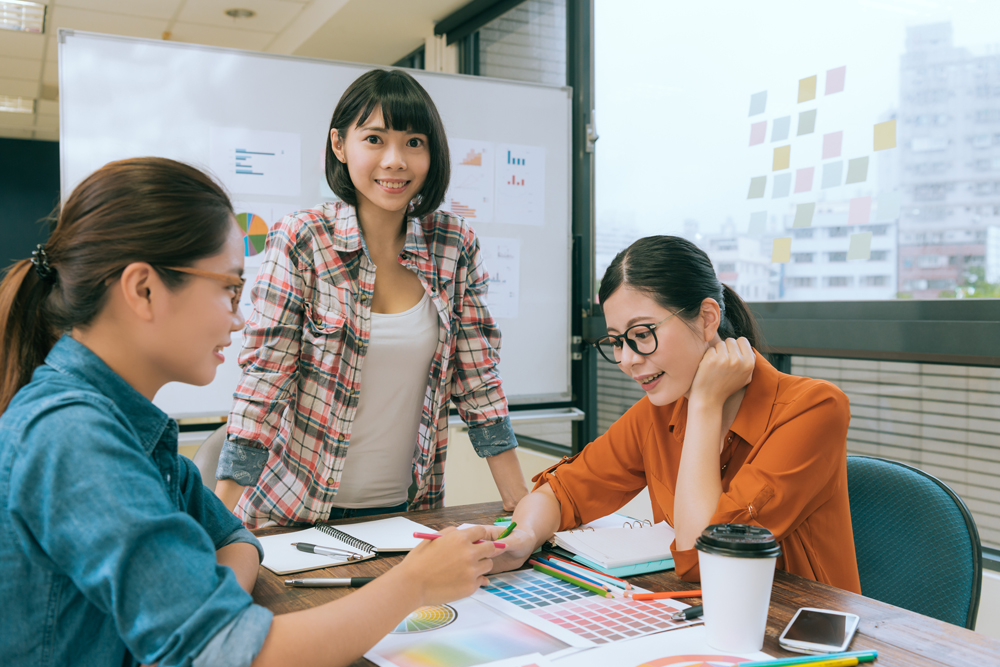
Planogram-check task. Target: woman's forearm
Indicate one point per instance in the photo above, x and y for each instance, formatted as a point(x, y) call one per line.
point(229, 492)
point(243, 560)
point(699, 483)
point(506, 469)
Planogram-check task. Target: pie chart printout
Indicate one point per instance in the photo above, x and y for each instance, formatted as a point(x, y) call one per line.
point(254, 233)
point(427, 618)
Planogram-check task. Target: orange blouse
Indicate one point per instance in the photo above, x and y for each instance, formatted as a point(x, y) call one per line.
point(784, 467)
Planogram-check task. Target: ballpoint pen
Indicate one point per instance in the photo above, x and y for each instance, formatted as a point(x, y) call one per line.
point(332, 552)
point(322, 582)
point(688, 614)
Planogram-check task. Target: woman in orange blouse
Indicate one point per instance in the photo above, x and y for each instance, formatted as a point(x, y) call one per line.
point(720, 437)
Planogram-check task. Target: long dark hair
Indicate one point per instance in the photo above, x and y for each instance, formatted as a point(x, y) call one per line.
point(678, 275)
point(406, 107)
point(150, 209)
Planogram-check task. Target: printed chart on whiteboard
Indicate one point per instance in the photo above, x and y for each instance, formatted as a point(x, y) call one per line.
point(257, 162)
point(520, 185)
point(255, 220)
point(470, 193)
point(502, 258)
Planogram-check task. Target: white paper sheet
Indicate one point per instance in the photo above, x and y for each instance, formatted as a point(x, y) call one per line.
point(257, 162)
point(502, 258)
point(470, 192)
point(520, 185)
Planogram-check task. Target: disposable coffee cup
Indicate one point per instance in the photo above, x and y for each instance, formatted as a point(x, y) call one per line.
point(737, 569)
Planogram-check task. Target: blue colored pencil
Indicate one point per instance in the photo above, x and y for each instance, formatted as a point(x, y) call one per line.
point(567, 570)
point(586, 572)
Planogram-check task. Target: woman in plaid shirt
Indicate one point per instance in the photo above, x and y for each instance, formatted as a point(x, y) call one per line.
point(342, 409)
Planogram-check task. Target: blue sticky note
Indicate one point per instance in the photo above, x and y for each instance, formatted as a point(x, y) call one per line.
point(887, 206)
point(782, 185)
point(780, 128)
point(758, 102)
point(832, 174)
point(758, 223)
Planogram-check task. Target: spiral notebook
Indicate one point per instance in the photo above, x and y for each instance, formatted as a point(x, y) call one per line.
point(362, 541)
point(630, 543)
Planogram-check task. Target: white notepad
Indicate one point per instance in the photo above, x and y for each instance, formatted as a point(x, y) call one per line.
point(365, 540)
point(621, 546)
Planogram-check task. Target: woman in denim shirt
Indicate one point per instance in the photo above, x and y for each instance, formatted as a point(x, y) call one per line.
point(113, 551)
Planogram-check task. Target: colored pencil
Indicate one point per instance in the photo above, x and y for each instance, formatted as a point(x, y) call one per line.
point(862, 656)
point(839, 662)
point(552, 556)
point(508, 530)
point(562, 568)
point(569, 579)
point(672, 595)
point(434, 536)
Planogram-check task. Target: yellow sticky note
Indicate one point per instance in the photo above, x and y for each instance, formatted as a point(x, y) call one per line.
point(807, 88)
point(885, 135)
point(781, 251)
point(782, 156)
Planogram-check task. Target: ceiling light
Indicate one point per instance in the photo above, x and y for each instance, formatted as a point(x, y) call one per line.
point(16, 104)
point(22, 15)
point(241, 13)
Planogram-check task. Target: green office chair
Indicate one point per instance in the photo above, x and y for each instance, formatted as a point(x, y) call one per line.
point(916, 542)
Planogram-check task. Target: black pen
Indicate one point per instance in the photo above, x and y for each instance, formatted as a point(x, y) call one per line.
point(688, 614)
point(319, 582)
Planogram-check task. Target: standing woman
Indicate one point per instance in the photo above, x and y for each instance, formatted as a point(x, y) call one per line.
point(369, 319)
point(113, 550)
point(720, 437)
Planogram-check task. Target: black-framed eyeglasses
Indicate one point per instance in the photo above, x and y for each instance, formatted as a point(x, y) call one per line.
point(225, 278)
point(640, 337)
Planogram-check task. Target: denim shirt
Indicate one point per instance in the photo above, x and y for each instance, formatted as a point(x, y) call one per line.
point(109, 537)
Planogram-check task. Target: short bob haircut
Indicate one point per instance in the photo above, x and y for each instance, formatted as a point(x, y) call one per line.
point(407, 107)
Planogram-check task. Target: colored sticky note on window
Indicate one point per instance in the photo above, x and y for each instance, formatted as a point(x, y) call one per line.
point(757, 185)
point(780, 128)
point(887, 206)
point(861, 246)
point(832, 143)
point(757, 132)
point(782, 158)
point(857, 170)
point(885, 135)
point(859, 211)
point(758, 223)
point(804, 215)
point(832, 174)
point(782, 186)
point(807, 122)
point(807, 89)
point(781, 251)
point(835, 80)
point(758, 101)
point(804, 179)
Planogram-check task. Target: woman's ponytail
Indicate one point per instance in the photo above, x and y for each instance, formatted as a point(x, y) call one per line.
point(25, 337)
point(737, 320)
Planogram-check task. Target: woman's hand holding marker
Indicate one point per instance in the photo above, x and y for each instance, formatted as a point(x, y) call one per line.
point(450, 567)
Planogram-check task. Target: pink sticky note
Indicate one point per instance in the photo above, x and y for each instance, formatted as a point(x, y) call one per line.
point(860, 211)
point(831, 144)
point(757, 132)
point(835, 80)
point(804, 179)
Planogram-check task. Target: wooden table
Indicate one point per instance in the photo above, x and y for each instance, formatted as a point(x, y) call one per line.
point(902, 638)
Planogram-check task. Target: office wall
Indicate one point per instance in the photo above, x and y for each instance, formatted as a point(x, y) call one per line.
point(29, 191)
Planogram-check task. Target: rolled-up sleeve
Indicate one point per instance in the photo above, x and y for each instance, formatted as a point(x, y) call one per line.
point(476, 384)
point(149, 566)
point(269, 359)
point(790, 476)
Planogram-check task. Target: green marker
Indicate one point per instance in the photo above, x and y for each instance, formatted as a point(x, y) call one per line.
point(502, 519)
point(507, 531)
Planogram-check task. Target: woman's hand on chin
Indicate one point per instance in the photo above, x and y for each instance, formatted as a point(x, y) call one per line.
point(726, 368)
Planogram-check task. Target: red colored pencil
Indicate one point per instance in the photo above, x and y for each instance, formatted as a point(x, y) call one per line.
point(434, 536)
point(672, 595)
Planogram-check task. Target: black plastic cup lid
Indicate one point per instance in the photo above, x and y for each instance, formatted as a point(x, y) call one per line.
point(738, 540)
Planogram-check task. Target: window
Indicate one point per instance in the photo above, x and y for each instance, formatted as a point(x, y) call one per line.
point(801, 282)
point(726, 267)
point(837, 232)
point(836, 256)
point(879, 256)
point(802, 257)
point(838, 281)
point(874, 281)
point(803, 233)
point(528, 43)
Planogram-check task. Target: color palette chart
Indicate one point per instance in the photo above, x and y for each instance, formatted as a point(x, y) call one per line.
point(541, 600)
point(426, 619)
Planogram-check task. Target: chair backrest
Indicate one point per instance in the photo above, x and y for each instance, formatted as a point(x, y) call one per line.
point(916, 542)
point(207, 456)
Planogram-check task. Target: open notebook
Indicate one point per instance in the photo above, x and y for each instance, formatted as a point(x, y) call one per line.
point(365, 540)
point(633, 543)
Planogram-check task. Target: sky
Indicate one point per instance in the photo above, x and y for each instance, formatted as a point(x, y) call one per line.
point(673, 84)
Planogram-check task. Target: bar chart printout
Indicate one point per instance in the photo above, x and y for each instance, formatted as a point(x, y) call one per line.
point(470, 193)
point(256, 162)
point(520, 185)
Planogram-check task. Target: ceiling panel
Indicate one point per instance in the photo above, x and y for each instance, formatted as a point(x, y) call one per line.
point(22, 44)
point(115, 24)
point(17, 120)
point(18, 88)
point(19, 133)
point(156, 9)
point(20, 68)
point(47, 107)
point(47, 123)
point(50, 72)
point(211, 35)
point(272, 16)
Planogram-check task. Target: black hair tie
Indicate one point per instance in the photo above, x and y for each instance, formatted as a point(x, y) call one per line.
point(41, 261)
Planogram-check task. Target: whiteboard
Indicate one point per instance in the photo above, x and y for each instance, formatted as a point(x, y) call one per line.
point(123, 97)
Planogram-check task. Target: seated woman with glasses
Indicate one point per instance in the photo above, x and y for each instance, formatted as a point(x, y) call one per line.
point(720, 437)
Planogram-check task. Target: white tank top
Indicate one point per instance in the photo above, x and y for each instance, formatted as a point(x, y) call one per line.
point(378, 468)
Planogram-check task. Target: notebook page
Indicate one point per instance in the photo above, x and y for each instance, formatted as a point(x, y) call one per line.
point(392, 534)
point(618, 547)
point(282, 558)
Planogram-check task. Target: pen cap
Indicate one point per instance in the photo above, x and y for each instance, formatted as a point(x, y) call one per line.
point(738, 540)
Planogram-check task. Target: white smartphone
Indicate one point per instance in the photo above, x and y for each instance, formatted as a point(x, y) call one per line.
point(819, 631)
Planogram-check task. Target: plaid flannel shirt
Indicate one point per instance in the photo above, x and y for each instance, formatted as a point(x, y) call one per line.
point(306, 340)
